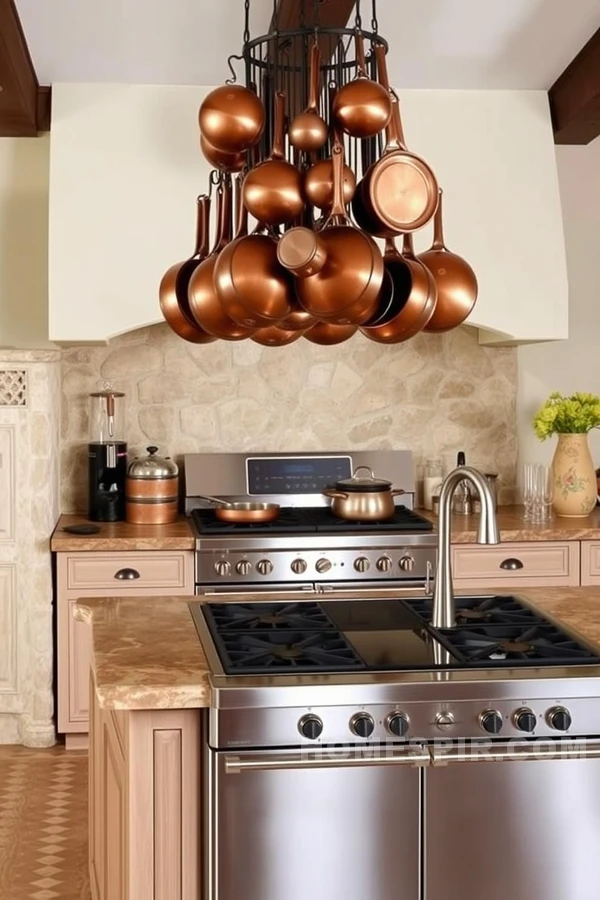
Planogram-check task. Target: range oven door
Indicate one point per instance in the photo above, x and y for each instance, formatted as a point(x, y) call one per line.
point(287, 825)
point(519, 823)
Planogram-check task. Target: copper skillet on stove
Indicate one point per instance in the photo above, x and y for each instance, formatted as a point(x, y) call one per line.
point(242, 512)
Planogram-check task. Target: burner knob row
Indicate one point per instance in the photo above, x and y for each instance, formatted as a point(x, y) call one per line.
point(264, 566)
point(310, 727)
point(559, 718)
point(525, 720)
point(222, 567)
point(323, 565)
point(491, 721)
point(299, 566)
point(362, 564)
point(362, 725)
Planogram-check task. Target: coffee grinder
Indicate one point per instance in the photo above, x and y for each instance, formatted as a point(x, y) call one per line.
point(107, 453)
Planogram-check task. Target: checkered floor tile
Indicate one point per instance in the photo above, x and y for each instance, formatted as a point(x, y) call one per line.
point(43, 824)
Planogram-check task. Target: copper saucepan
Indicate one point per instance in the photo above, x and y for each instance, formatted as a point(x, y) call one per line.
point(362, 108)
point(173, 292)
point(346, 289)
point(455, 279)
point(318, 180)
point(273, 189)
point(231, 118)
point(326, 334)
point(245, 513)
point(276, 336)
point(363, 498)
point(308, 130)
point(220, 159)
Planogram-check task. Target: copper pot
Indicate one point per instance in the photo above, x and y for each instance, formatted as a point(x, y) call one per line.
point(362, 107)
point(346, 289)
point(205, 304)
point(318, 184)
point(152, 490)
point(455, 279)
point(302, 252)
point(273, 189)
point(298, 320)
point(173, 291)
point(226, 162)
point(274, 336)
point(326, 334)
point(308, 130)
point(232, 118)
point(363, 498)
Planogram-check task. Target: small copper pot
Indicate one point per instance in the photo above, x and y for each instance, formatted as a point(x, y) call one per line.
point(363, 498)
point(152, 490)
point(232, 118)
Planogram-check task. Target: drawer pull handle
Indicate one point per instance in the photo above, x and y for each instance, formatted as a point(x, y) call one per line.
point(127, 574)
point(511, 564)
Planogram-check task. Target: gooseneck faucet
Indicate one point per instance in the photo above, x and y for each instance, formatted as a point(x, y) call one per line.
point(444, 614)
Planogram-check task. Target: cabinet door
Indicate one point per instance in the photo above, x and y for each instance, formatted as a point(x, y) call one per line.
point(518, 565)
point(513, 830)
point(114, 823)
point(74, 658)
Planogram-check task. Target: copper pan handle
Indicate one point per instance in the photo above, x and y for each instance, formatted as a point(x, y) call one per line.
point(394, 131)
point(397, 492)
point(382, 71)
point(315, 73)
point(408, 249)
point(338, 210)
point(241, 229)
point(202, 225)
point(438, 227)
point(335, 495)
point(224, 220)
point(361, 65)
point(277, 150)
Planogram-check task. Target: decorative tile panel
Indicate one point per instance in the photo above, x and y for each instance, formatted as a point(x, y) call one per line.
point(13, 387)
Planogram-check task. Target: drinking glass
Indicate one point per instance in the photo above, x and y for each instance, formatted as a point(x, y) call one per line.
point(546, 481)
point(528, 491)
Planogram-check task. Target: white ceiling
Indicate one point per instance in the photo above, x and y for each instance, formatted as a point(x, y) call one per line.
point(520, 44)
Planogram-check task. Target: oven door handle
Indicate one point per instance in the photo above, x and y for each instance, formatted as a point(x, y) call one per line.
point(517, 751)
point(417, 756)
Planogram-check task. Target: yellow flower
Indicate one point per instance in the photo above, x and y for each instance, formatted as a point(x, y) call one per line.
point(576, 414)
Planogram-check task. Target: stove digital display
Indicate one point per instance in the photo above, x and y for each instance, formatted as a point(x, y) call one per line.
point(295, 474)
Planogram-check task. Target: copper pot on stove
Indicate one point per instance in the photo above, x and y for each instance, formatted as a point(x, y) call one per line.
point(152, 490)
point(363, 498)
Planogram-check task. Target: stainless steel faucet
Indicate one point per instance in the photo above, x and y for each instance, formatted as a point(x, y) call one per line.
point(444, 614)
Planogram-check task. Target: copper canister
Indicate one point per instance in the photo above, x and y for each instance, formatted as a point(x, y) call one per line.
point(152, 490)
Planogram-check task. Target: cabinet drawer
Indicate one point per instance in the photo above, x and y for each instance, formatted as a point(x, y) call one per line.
point(590, 562)
point(543, 564)
point(122, 573)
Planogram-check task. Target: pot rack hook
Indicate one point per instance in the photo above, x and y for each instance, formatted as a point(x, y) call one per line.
point(358, 17)
point(374, 22)
point(233, 79)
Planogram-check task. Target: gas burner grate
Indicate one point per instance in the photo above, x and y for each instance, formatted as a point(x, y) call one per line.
point(250, 653)
point(267, 617)
point(497, 645)
point(482, 611)
point(403, 520)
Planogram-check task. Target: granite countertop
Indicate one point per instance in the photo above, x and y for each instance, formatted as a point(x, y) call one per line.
point(147, 655)
point(513, 528)
point(122, 536)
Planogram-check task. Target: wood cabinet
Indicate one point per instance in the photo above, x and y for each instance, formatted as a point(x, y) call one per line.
point(590, 562)
point(141, 574)
point(144, 804)
point(518, 565)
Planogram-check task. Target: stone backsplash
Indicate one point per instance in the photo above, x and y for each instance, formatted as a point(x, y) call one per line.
point(435, 395)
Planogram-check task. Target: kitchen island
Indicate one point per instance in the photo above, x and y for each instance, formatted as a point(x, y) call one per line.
point(150, 684)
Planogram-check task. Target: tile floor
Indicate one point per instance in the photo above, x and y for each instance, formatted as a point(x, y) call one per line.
point(43, 824)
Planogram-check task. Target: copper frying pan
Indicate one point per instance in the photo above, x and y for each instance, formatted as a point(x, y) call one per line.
point(455, 279)
point(414, 297)
point(308, 130)
point(231, 118)
point(173, 292)
point(243, 512)
point(273, 189)
point(204, 302)
point(346, 289)
point(399, 192)
point(362, 107)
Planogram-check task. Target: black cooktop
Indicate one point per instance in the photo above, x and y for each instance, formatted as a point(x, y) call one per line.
point(384, 635)
point(309, 520)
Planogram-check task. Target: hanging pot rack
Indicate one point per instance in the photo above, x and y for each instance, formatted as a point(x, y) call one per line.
point(277, 71)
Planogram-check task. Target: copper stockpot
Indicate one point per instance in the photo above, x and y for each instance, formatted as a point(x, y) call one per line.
point(273, 189)
point(152, 490)
point(173, 292)
point(363, 499)
point(302, 252)
point(413, 301)
point(231, 118)
point(455, 279)
point(226, 162)
point(326, 334)
point(308, 130)
point(362, 107)
point(205, 304)
point(275, 336)
point(346, 289)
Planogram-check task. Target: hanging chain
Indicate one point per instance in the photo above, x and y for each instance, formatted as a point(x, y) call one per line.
point(275, 18)
point(358, 17)
point(246, 21)
point(374, 22)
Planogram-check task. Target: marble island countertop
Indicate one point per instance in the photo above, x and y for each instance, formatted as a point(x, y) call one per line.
point(513, 528)
point(147, 655)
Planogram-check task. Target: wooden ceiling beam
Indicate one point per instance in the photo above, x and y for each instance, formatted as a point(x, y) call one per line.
point(575, 97)
point(24, 105)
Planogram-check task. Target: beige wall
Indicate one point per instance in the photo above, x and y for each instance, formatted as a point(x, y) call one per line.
point(572, 365)
point(435, 395)
point(24, 186)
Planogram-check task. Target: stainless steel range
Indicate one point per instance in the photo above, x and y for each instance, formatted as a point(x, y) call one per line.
point(307, 546)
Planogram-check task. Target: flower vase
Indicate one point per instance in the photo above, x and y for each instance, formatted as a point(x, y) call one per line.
point(574, 476)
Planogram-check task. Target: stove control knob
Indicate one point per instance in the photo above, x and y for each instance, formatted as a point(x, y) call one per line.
point(525, 720)
point(264, 566)
point(362, 564)
point(310, 727)
point(407, 563)
point(491, 721)
point(398, 724)
point(299, 566)
point(559, 718)
point(362, 725)
point(243, 567)
point(222, 567)
point(323, 565)
point(384, 564)
point(444, 720)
